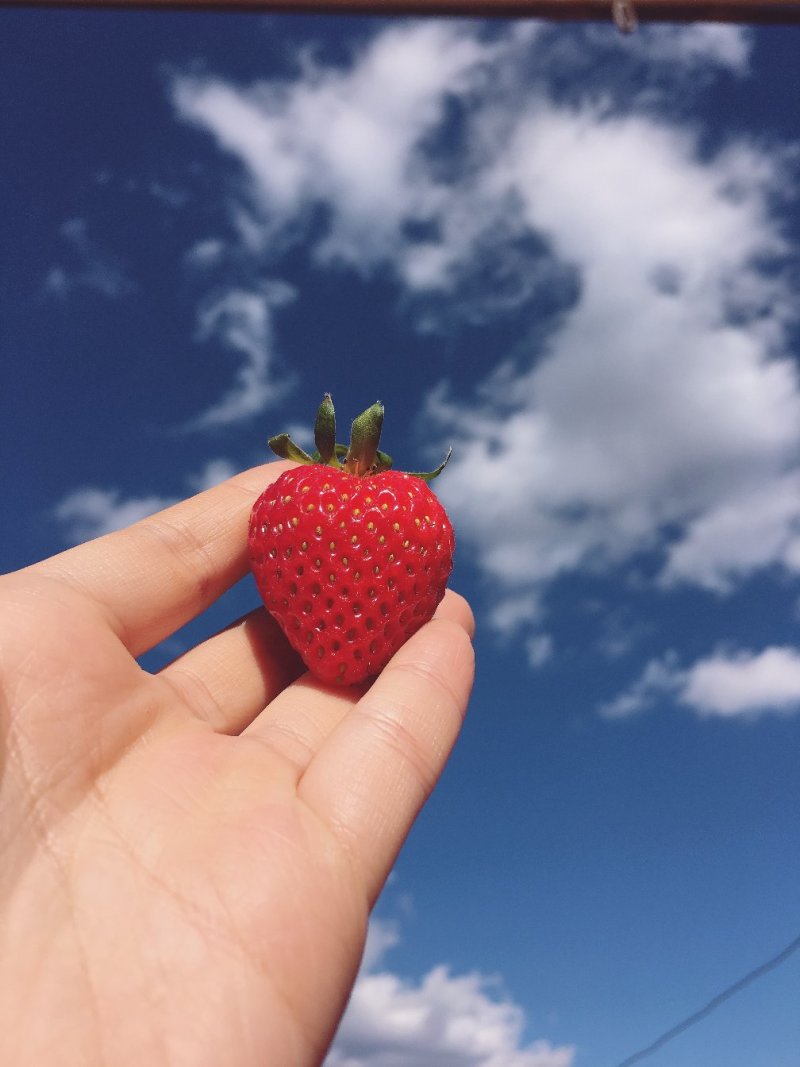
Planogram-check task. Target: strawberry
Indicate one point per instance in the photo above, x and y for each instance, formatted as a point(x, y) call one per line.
point(349, 556)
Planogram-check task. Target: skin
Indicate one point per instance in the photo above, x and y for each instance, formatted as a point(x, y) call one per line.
point(188, 859)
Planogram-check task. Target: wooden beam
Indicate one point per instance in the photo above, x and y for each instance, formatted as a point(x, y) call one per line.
point(776, 12)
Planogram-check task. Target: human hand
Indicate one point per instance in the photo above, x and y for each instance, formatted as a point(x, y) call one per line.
point(189, 858)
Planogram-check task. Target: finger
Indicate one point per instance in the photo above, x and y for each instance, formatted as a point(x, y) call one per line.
point(455, 608)
point(374, 772)
point(301, 718)
point(230, 678)
point(159, 573)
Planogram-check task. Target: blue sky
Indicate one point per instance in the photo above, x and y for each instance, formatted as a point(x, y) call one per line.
point(570, 254)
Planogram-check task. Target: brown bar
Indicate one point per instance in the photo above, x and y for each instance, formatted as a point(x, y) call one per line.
point(771, 12)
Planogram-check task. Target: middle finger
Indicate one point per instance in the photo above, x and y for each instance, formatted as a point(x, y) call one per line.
point(231, 677)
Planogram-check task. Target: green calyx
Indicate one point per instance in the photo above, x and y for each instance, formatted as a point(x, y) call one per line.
point(361, 457)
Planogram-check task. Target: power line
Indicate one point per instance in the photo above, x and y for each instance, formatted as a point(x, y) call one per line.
point(754, 11)
point(713, 1004)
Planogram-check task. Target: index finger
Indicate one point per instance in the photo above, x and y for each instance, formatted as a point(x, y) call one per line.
point(161, 572)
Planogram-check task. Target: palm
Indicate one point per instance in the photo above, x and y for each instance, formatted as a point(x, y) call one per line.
point(190, 857)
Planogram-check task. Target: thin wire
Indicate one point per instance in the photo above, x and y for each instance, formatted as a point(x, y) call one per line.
point(623, 14)
point(714, 1003)
point(768, 12)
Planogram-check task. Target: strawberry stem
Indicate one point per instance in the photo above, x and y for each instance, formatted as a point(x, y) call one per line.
point(284, 446)
point(325, 432)
point(430, 475)
point(362, 457)
point(364, 438)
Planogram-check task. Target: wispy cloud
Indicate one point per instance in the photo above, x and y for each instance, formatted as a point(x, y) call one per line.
point(205, 253)
point(242, 321)
point(540, 649)
point(86, 265)
point(457, 1020)
point(691, 50)
point(660, 679)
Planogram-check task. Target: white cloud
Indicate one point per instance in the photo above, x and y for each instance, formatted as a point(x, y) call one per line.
point(242, 320)
point(361, 141)
point(91, 512)
point(753, 529)
point(662, 398)
point(347, 138)
point(511, 613)
point(302, 433)
point(382, 935)
point(444, 1020)
point(727, 684)
point(213, 473)
point(745, 683)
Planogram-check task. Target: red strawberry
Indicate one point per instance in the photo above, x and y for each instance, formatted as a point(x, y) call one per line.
point(350, 557)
